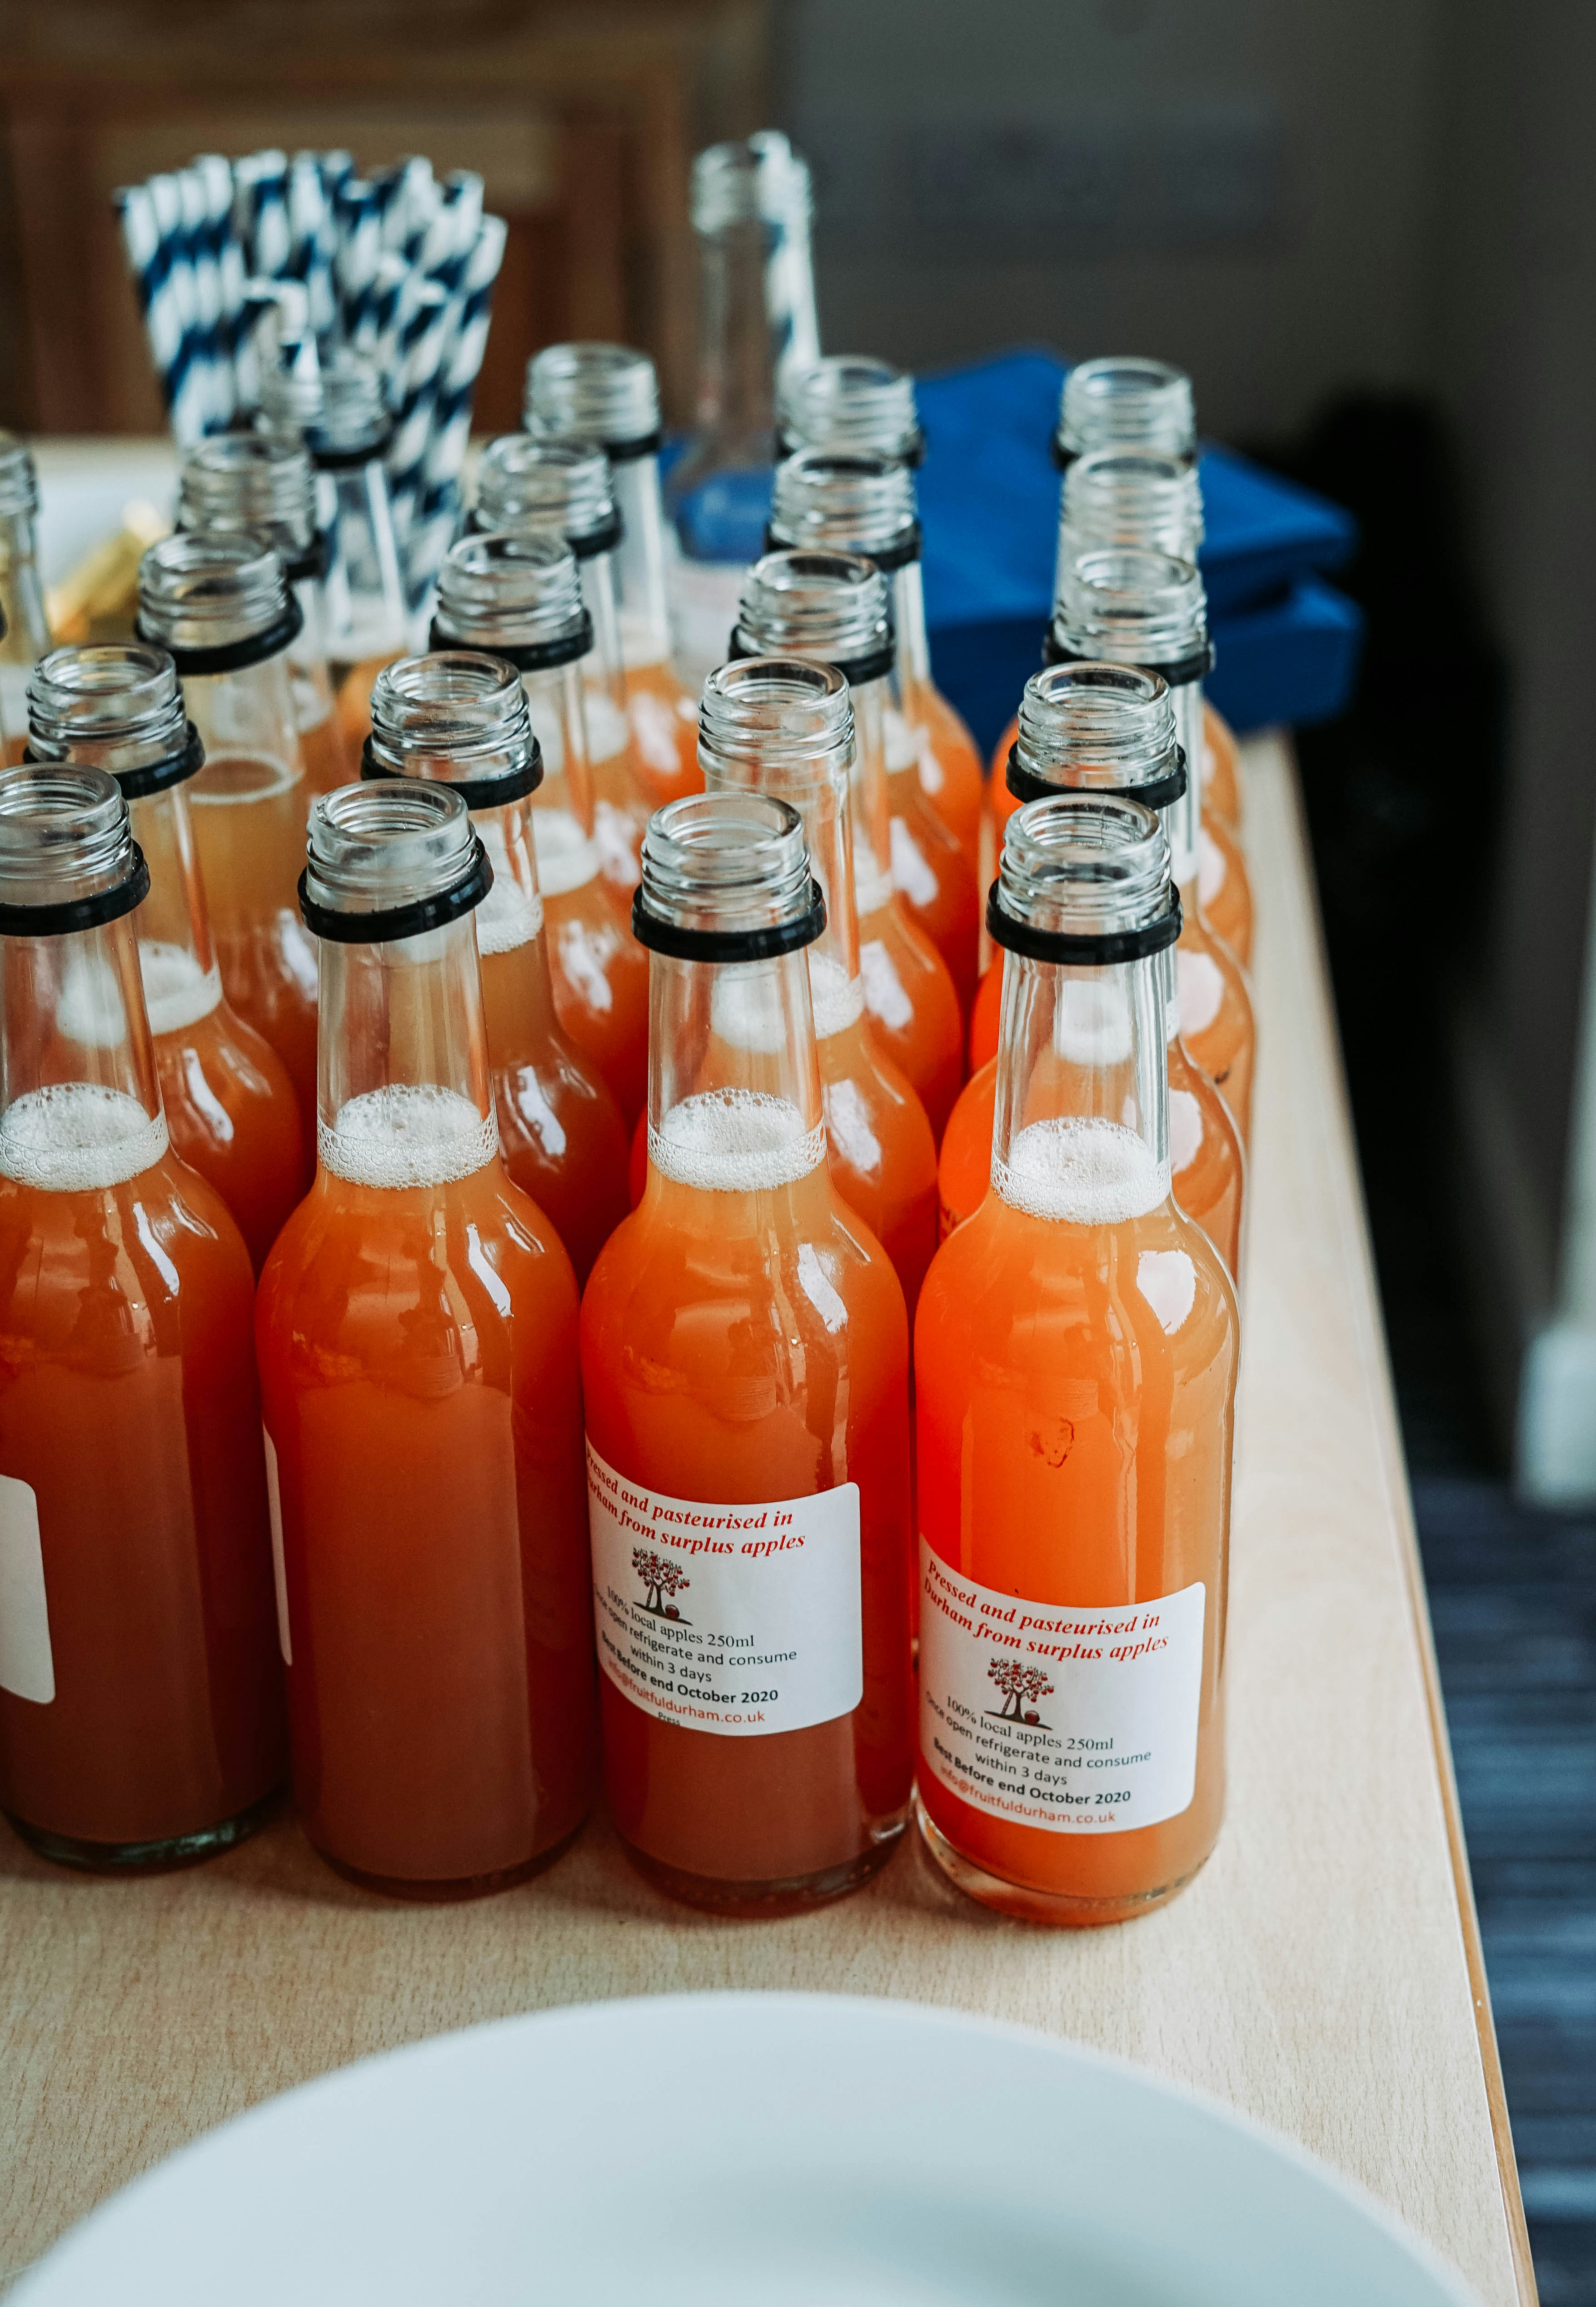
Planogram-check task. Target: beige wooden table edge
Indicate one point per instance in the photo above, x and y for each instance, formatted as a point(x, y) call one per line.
point(1383, 1404)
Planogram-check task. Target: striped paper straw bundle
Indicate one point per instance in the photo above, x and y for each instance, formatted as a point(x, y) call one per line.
point(278, 263)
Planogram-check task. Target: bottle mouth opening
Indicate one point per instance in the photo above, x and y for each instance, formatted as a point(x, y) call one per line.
point(246, 481)
point(777, 714)
point(526, 480)
point(389, 860)
point(832, 607)
point(726, 878)
point(513, 590)
point(339, 409)
point(1084, 869)
point(600, 392)
point(460, 716)
point(211, 589)
point(758, 179)
point(847, 401)
point(1133, 497)
point(68, 860)
point(1134, 607)
point(111, 705)
point(840, 501)
point(1083, 724)
point(1127, 398)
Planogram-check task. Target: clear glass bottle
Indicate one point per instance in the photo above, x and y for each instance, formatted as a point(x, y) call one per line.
point(865, 505)
point(24, 627)
point(461, 717)
point(1110, 730)
point(417, 1334)
point(220, 605)
point(832, 608)
point(528, 482)
point(1075, 1374)
point(610, 394)
point(745, 1375)
point(140, 1698)
point(1148, 609)
point(850, 405)
point(750, 208)
point(229, 1105)
point(265, 482)
point(1130, 403)
point(520, 597)
point(778, 726)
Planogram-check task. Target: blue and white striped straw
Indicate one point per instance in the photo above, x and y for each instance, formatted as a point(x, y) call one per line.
point(421, 350)
point(470, 313)
point(228, 257)
point(360, 245)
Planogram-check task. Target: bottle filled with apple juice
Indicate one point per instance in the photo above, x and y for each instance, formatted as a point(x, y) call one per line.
point(1075, 1360)
point(745, 1377)
point(141, 1694)
point(416, 1334)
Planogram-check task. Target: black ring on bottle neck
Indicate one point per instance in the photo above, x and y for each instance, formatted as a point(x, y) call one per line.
point(395, 922)
point(1154, 792)
point(626, 452)
point(526, 657)
point(887, 557)
point(152, 777)
point(314, 561)
point(228, 656)
point(585, 547)
point(476, 793)
point(1177, 675)
point(765, 944)
point(913, 452)
point(854, 670)
point(71, 913)
point(1062, 457)
point(328, 459)
point(1082, 946)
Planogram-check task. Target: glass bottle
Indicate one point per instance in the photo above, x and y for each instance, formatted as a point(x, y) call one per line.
point(1105, 729)
point(24, 627)
point(1075, 1384)
point(229, 1105)
point(1148, 609)
point(1125, 401)
point(780, 726)
point(417, 1334)
point(751, 208)
point(266, 482)
point(610, 394)
point(1136, 497)
point(846, 406)
point(863, 504)
point(832, 608)
point(525, 483)
point(220, 605)
point(461, 717)
point(342, 419)
point(140, 1698)
point(745, 1373)
point(519, 596)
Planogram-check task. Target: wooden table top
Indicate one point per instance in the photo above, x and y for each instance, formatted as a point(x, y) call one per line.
point(1322, 1973)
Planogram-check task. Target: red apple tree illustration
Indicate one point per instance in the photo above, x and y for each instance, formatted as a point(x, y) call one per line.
point(662, 1578)
point(1022, 1686)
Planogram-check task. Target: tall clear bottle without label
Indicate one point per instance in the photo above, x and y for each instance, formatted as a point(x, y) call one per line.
point(265, 482)
point(220, 607)
point(229, 1104)
point(1075, 1363)
point(864, 504)
point(750, 208)
point(610, 394)
point(846, 406)
point(1137, 498)
point(416, 1329)
point(520, 597)
point(140, 1699)
point(744, 1369)
point(1105, 729)
point(779, 727)
point(461, 717)
point(525, 484)
point(831, 608)
point(24, 627)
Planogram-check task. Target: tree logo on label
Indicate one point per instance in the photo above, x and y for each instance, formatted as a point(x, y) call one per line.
point(1021, 1685)
point(661, 1579)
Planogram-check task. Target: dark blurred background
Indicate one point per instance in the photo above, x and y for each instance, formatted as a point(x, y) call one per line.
point(1367, 228)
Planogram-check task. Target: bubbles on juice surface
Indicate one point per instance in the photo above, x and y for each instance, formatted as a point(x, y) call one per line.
point(567, 859)
point(407, 1134)
point(76, 1138)
point(735, 1141)
point(1091, 1021)
point(839, 999)
point(507, 917)
point(178, 992)
point(1081, 1172)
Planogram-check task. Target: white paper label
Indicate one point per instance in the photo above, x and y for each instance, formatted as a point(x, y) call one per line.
point(1077, 1720)
point(27, 1663)
point(737, 1619)
point(274, 1500)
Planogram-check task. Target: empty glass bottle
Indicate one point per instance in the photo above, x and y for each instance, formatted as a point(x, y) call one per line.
point(24, 627)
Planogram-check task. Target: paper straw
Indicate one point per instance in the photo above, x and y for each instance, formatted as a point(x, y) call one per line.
point(229, 259)
point(452, 232)
point(360, 246)
point(188, 391)
point(388, 290)
point(255, 341)
point(307, 218)
point(470, 313)
point(268, 239)
point(150, 261)
point(421, 348)
point(213, 391)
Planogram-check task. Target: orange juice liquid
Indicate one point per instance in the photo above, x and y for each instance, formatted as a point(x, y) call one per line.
point(1224, 888)
point(745, 1342)
point(663, 714)
point(913, 1005)
point(1222, 770)
point(1075, 1371)
point(930, 868)
point(329, 762)
point(128, 1407)
point(233, 1115)
point(951, 770)
point(416, 1332)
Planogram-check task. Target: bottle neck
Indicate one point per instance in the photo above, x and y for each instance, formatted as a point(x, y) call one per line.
point(734, 1112)
point(639, 562)
point(79, 1100)
point(250, 731)
point(27, 635)
point(510, 931)
point(182, 980)
point(911, 671)
point(307, 655)
point(1182, 820)
point(1081, 1127)
point(871, 810)
point(836, 989)
point(738, 344)
point(602, 667)
point(365, 600)
point(404, 1093)
point(562, 806)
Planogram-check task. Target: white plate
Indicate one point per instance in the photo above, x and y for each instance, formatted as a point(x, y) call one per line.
point(740, 2150)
